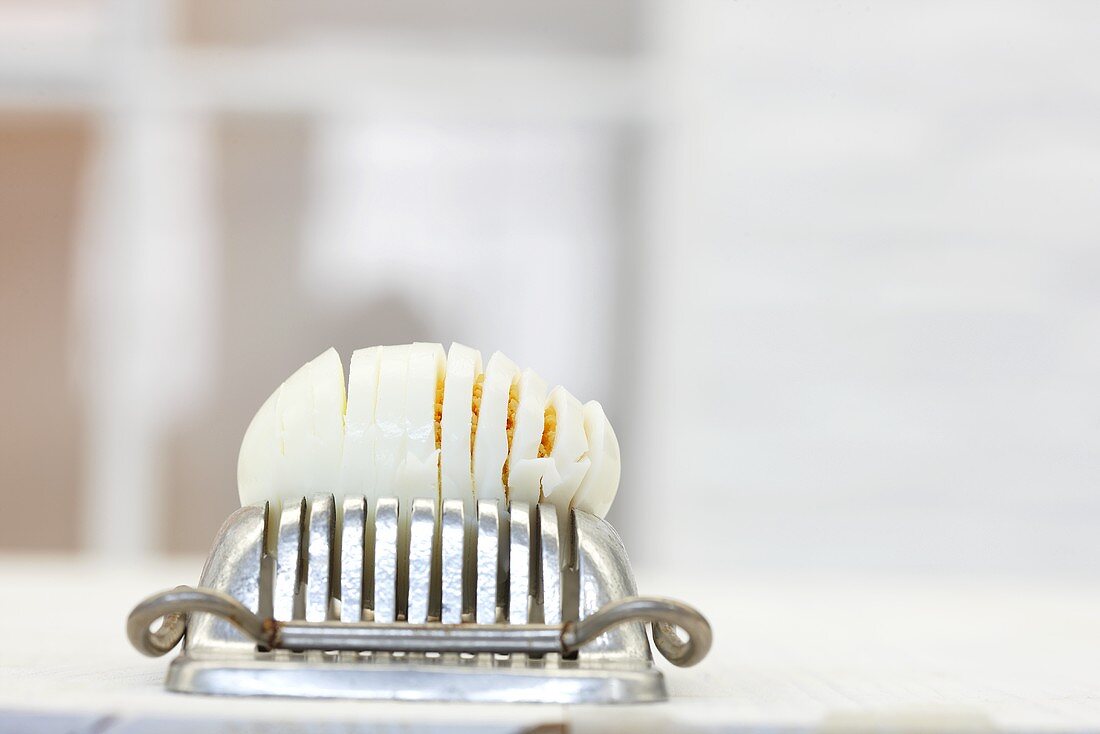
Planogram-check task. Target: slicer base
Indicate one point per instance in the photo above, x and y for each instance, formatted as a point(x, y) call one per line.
point(483, 679)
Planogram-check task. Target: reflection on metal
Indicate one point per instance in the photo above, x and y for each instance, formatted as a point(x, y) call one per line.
point(598, 654)
point(421, 537)
point(353, 535)
point(519, 564)
point(385, 560)
point(318, 554)
point(288, 559)
point(453, 533)
point(488, 553)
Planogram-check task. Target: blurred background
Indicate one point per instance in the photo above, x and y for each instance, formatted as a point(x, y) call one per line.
point(832, 268)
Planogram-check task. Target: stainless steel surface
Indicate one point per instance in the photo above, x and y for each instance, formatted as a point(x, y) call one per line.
point(504, 639)
point(432, 637)
point(519, 564)
point(604, 575)
point(174, 607)
point(233, 566)
point(452, 535)
point(550, 564)
point(318, 553)
point(521, 557)
point(421, 555)
point(288, 559)
point(488, 556)
point(385, 560)
point(353, 534)
point(666, 615)
point(396, 678)
point(173, 625)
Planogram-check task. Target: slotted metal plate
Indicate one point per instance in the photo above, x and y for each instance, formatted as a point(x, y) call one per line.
point(517, 556)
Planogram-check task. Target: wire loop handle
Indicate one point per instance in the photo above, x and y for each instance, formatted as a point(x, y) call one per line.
point(665, 616)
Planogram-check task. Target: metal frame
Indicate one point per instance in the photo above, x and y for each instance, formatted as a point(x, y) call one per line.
point(386, 625)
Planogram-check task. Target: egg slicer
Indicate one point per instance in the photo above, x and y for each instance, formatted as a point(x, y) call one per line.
point(393, 602)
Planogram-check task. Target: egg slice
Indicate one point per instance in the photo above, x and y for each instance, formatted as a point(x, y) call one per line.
point(491, 436)
point(360, 434)
point(260, 455)
point(389, 420)
point(524, 469)
point(457, 426)
point(565, 441)
point(419, 472)
point(601, 482)
point(294, 444)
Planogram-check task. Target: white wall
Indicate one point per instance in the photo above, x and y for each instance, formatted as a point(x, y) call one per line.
point(876, 287)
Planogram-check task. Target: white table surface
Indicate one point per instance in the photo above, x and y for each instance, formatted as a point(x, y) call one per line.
point(791, 654)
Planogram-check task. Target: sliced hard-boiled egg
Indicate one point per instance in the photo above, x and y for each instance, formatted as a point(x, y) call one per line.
point(491, 436)
point(414, 423)
point(565, 440)
point(389, 420)
point(261, 455)
point(419, 472)
point(293, 446)
point(360, 434)
point(601, 482)
point(456, 424)
point(524, 469)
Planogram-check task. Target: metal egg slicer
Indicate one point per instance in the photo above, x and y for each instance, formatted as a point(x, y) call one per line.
point(384, 601)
